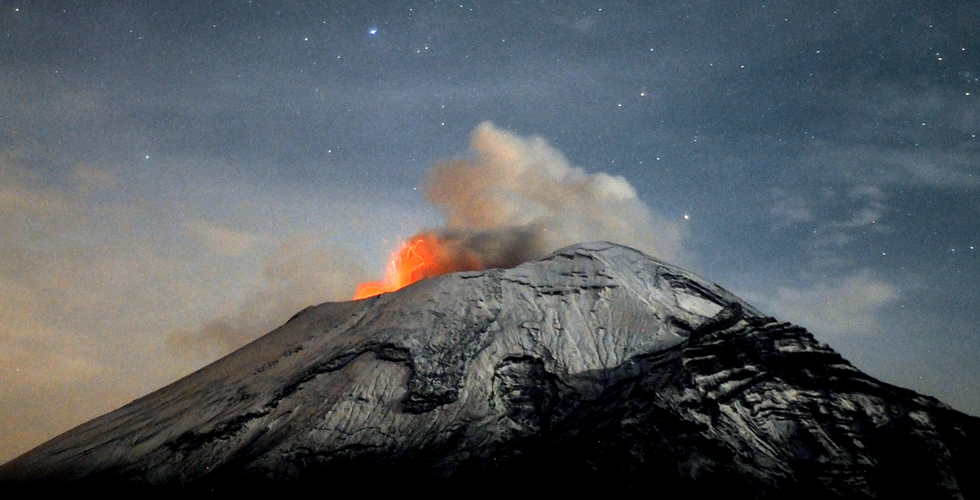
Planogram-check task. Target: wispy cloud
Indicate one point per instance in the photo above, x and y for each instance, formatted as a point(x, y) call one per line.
point(912, 167)
point(850, 305)
point(222, 240)
point(832, 296)
point(833, 218)
point(92, 289)
point(90, 179)
point(790, 209)
point(297, 273)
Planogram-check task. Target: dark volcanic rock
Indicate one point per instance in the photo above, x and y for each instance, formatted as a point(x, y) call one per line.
point(597, 369)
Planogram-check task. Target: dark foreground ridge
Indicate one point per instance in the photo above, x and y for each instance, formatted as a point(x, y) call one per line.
point(595, 370)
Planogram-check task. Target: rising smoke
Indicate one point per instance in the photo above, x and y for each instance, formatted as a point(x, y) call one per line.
point(513, 200)
point(519, 199)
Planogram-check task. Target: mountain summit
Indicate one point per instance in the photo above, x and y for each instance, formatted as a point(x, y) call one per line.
point(596, 369)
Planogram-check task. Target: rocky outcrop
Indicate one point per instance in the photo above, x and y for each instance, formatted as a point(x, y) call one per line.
point(596, 369)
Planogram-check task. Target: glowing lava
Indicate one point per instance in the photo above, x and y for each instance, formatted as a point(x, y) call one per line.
point(414, 261)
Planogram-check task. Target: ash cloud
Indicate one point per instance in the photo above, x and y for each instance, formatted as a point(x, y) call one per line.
point(517, 199)
point(297, 273)
point(470, 250)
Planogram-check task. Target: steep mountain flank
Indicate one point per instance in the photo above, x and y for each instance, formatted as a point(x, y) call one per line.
point(596, 369)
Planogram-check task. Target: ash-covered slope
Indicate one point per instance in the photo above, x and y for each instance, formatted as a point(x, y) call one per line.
point(597, 368)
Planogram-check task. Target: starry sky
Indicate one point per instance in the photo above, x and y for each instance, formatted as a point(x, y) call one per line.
point(178, 178)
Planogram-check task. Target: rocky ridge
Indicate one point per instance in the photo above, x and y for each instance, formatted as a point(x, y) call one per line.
point(597, 369)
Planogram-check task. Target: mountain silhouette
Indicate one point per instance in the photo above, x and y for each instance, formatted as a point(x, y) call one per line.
point(596, 370)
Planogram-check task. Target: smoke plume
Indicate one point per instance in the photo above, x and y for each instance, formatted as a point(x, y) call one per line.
point(518, 199)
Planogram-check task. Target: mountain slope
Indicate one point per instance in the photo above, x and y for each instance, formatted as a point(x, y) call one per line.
point(596, 368)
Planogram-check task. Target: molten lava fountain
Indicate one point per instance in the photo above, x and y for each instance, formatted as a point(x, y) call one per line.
point(417, 259)
point(433, 252)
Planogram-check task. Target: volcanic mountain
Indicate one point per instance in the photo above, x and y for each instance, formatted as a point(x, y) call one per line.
point(597, 369)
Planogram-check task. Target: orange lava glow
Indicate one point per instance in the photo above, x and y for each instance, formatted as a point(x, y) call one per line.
point(417, 259)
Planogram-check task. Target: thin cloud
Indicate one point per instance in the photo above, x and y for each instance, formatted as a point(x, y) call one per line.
point(790, 209)
point(222, 240)
point(91, 179)
point(90, 289)
point(296, 274)
point(850, 305)
point(834, 219)
point(920, 167)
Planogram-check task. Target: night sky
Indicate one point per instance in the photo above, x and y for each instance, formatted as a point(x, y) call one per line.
point(178, 178)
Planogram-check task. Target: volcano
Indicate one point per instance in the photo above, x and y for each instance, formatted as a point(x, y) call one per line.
point(597, 369)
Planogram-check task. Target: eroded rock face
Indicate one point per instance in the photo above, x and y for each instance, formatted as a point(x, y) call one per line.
point(596, 369)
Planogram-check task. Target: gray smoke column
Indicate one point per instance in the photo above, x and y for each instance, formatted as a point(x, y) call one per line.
point(518, 199)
